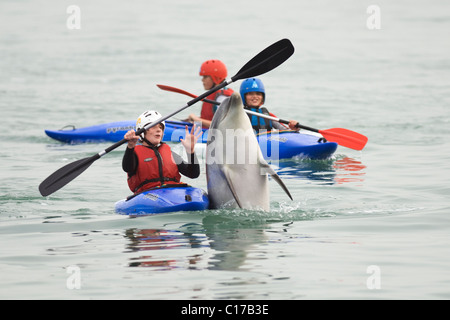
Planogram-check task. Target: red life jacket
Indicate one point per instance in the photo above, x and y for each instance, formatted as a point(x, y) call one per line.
point(208, 109)
point(156, 167)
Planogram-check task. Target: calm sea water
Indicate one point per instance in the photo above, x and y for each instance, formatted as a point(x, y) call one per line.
point(371, 224)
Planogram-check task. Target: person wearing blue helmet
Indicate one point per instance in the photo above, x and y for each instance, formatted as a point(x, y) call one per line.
point(253, 96)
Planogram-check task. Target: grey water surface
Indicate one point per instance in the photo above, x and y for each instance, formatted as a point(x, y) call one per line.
point(370, 224)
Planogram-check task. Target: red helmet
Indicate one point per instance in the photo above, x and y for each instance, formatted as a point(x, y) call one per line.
point(216, 69)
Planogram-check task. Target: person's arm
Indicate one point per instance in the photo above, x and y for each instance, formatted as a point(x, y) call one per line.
point(281, 126)
point(278, 126)
point(130, 161)
point(196, 119)
point(191, 168)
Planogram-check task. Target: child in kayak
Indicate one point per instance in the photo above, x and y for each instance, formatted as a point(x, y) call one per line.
point(253, 97)
point(153, 164)
point(213, 73)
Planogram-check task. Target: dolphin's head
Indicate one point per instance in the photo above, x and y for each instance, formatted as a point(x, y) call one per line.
point(230, 114)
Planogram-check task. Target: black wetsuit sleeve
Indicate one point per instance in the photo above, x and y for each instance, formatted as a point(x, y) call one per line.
point(190, 169)
point(129, 161)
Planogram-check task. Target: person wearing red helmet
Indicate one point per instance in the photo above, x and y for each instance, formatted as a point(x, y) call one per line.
point(213, 73)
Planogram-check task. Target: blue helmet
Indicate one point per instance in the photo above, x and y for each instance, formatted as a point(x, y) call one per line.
point(252, 85)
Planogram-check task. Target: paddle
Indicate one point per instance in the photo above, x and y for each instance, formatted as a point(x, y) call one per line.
point(263, 62)
point(343, 137)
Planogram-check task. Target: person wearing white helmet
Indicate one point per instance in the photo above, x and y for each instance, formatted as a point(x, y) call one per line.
point(152, 163)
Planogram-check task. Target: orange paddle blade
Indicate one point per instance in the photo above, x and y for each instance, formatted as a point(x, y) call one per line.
point(345, 137)
point(173, 89)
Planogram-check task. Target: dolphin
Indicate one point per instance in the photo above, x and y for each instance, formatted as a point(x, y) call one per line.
point(236, 171)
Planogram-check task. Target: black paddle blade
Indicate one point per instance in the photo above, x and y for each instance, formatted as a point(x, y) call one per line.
point(64, 175)
point(266, 60)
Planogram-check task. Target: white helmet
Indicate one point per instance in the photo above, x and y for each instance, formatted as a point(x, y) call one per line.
point(146, 118)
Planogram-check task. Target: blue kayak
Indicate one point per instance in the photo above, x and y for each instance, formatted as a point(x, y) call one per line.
point(275, 145)
point(162, 200)
point(114, 131)
point(289, 144)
